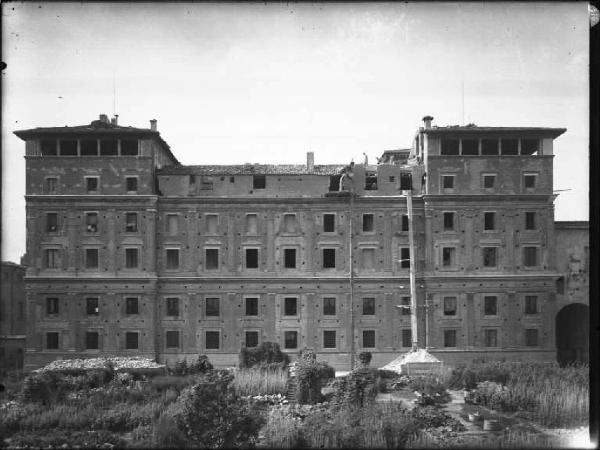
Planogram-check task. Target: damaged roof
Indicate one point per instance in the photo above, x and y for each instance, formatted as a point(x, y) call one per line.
point(451, 129)
point(253, 169)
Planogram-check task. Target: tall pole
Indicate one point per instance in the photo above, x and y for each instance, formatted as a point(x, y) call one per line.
point(351, 265)
point(413, 293)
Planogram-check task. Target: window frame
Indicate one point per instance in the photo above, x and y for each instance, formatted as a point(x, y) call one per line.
point(135, 180)
point(127, 222)
point(369, 307)
point(168, 265)
point(491, 336)
point(527, 256)
point(287, 333)
point(47, 340)
point(326, 222)
point(527, 310)
point(172, 306)
point(329, 265)
point(452, 263)
point(406, 334)
point(531, 220)
point(247, 333)
point(285, 258)
point(171, 333)
point(447, 333)
point(327, 306)
point(136, 259)
point(131, 334)
point(213, 267)
point(130, 310)
point(52, 306)
point(89, 305)
point(325, 341)
point(49, 223)
point(452, 216)
point(486, 221)
point(285, 306)
point(87, 260)
point(488, 176)
point(259, 181)
point(47, 185)
point(247, 260)
point(486, 252)
point(212, 307)
point(252, 306)
point(213, 333)
point(446, 312)
point(493, 308)
point(54, 262)
point(527, 334)
point(448, 176)
point(87, 179)
point(530, 176)
point(368, 224)
point(88, 334)
point(372, 335)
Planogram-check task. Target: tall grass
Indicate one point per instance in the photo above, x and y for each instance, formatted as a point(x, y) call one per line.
point(508, 439)
point(261, 381)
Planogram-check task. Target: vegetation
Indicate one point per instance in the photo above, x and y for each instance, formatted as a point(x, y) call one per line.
point(261, 380)
point(265, 353)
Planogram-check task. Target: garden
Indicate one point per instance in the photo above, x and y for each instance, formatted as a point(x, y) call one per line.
point(268, 402)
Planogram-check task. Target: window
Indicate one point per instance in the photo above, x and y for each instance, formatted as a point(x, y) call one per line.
point(491, 338)
point(129, 147)
point(290, 306)
point(251, 339)
point(131, 258)
point(368, 338)
point(448, 181)
point(212, 223)
point(259, 181)
point(52, 258)
point(206, 183)
point(470, 147)
point(211, 258)
point(448, 221)
point(91, 306)
point(328, 223)
point(405, 258)
point(68, 148)
point(448, 256)
point(172, 307)
point(89, 147)
point(51, 185)
point(490, 305)
point(251, 258)
point(172, 224)
point(531, 337)
point(52, 340)
point(172, 258)
point(368, 223)
point(449, 338)
point(489, 219)
point(91, 222)
point(530, 220)
point(368, 307)
point(530, 256)
point(510, 146)
point(489, 181)
point(91, 184)
point(368, 258)
point(51, 222)
point(92, 340)
point(172, 338)
point(108, 147)
point(52, 306)
point(289, 223)
point(404, 222)
point(290, 339)
point(405, 306)
point(450, 306)
point(132, 340)
point(232, 179)
point(406, 338)
point(131, 183)
point(405, 182)
point(529, 181)
point(289, 257)
point(329, 306)
point(489, 146)
point(251, 224)
point(449, 147)
point(212, 307)
point(252, 306)
point(529, 146)
point(489, 256)
point(531, 304)
point(392, 179)
point(91, 258)
point(370, 182)
point(131, 222)
point(212, 340)
point(132, 305)
point(49, 147)
point(328, 258)
point(329, 339)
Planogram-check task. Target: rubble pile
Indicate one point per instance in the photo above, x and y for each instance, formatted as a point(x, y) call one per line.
point(417, 356)
point(119, 363)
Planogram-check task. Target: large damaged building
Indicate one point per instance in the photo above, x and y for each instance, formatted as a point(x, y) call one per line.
point(131, 253)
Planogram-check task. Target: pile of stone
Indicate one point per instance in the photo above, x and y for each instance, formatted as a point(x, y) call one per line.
point(417, 357)
point(119, 363)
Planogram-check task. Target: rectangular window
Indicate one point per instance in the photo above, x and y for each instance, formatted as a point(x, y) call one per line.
point(328, 223)
point(52, 306)
point(92, 340)
point(290, 339)
point(290, 306)
point(530, 220)
point(252, 306)
point(510, 146)
point(489, 146)
point(259, 182)
point(531, 337)
point(370, 182)
point(448, 181)
point(368, 338)
point(448, 221)
point(206, 183)
point(51, 222)
point(490, 305)
point(251, 224)
point(132, 305)
point(405, 182)
point(289, 256)
point(212, 307)
point(91, 184)
point(91, 306)
point(368, 223)
point(470, 147)
point(172, 338)
point(212, 340)
point(108, 147)
point(449, 338)
point(132, 340)
point(491, 338)
point(51, 185)
point(368, 306)
point(329, 306)
point(172, 258)
point(405, 308)
point(91, 258)
point(489, 181)
point(172, 224)
point(329, 339)
point(328, 258)
point(529, 181)
point(89, 147)
point(531, 304)
point(211, 258)
point(529, 146)
point(52, 340)
point(489, 256)
point(405, 258)
point(251, 258)
point(131, 258)
point(129, 147)
point(448, 256)
point(68, 147)
point(172, 307)
point(404, 225)
point(450, 305)
point(449, 147)
point(131, 224)
point(212, 224)
point(49, 147)
point(289, 223)
point(489, 219)
point(406, 338)
point(530, 256)
point(52, 258)
point(368, 258)
point(251, 339)
point(131, 183)
point(91, 222)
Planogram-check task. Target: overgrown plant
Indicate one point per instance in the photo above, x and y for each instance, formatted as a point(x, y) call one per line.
point(265, 353)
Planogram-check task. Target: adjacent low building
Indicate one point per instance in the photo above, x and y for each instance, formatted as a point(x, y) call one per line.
point(12, 317)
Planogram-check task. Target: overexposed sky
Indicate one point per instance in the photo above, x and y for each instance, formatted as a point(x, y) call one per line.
point(254, 82)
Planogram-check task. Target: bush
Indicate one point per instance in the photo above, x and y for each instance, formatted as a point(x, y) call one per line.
point(431, 386)
point(166, 433)
point(201, 365)
point(365, 358)
point(431, 417)
point(308, 381)
point(177, 383)
point(357, 389)
point(45, 387)
point(56, 438)
point(267, 352)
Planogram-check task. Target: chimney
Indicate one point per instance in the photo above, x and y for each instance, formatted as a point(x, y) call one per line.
point(115, 120)
point(104, 118)
point(153, 124)
point(310, 161)
point(427, 120)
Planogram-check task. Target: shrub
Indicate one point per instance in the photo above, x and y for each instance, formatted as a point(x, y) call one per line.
point(267, 352)
point(180, 369)
point(45, 387)
point(356, 389)
point(432, 417)
point(365, 358)
point(166, 433)
point(201, 365)
point(308, 381)
point(177, 383)
point(430, 385)
point(261, 380)
point(56, 438)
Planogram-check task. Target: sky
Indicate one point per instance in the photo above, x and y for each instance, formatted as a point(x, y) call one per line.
point(234, 83)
